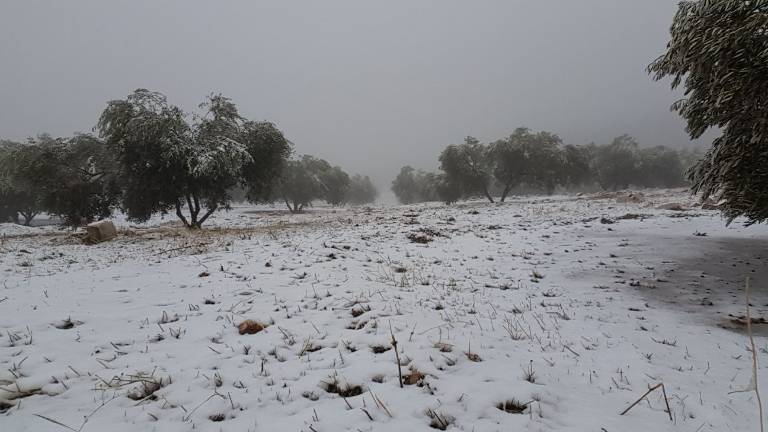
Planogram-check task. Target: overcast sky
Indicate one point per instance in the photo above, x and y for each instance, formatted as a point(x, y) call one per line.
point(370, 86)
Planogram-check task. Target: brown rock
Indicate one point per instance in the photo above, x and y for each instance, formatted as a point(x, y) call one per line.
point(413, 378)
point(249, 327)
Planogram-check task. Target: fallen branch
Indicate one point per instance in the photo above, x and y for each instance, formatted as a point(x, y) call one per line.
point(664, 392)
point(397, 355)
point(182, 247)
point(85, 419)
point(754, 361)
point(189, 415)
point(753, 381)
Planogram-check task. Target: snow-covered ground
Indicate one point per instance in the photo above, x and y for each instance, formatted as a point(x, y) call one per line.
point(570, 307)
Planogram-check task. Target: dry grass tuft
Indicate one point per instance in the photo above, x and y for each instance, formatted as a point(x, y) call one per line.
point(217, 417)
point(529, 374)
point(357, 325)
point(379, 349)
point(67, 324)
point(359, 310)
point(512, 406)
point(5, 406)
point(419, 237)
point(20, 393)
point(310, 395)
point(146, 388)
point(439, 421)
point(345, 390)
point(473, 357)
point(379, 378)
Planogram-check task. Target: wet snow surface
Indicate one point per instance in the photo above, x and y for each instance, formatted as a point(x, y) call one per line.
point(562, 311)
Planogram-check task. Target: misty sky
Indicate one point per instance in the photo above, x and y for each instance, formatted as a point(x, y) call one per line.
point(370, 86)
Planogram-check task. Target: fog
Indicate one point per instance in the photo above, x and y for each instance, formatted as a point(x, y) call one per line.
point(370, 87)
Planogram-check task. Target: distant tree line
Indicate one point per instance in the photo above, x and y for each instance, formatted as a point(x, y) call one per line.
point(69, 177)
point(307, 179)
point(150, 157)
point(539, 162)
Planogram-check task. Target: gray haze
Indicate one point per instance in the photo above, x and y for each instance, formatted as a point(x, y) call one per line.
point(370, 86)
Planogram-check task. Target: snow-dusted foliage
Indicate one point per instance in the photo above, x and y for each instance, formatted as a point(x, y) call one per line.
point(470, 166)
point(527, 157)
point(307, 179)
point(361, 190)
point(71, 178)
point(719, 52)
point(168, 162)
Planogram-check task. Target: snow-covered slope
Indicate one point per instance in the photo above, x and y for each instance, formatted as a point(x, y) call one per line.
point(570, 307)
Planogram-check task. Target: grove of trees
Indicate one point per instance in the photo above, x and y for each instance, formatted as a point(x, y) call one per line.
point(168, 162)
point(72, 178)
point(539, 162)
point(307, 179)
point(151, 157)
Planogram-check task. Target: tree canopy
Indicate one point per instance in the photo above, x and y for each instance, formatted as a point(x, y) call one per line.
point(468, 165)
point(617, 164)
point(361, 190)
point(300, 183)
point(335, 184)
point(18, 192)
point(168, 161)
point(151, 157)
point(72, 178)
point(527, 161)
point(526, 157)
point(718, 52)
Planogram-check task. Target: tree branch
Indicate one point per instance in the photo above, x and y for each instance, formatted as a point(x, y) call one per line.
point(180, 214)
point(210, 212)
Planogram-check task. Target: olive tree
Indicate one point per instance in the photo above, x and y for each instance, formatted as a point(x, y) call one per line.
point(335, 183)
point(80, 183)
point(169, 160)
point(18, 194)
point(445, 189)
point(300, 183)
point(413, 186)
point(617, 164)
point(72, 178)
point(470, 166)
point(576, 169)
point(509, 164)
point(361, 190)
point(405, 186)
point(718, 52)
point(269, 151)
point(660, 167)
point(526, 157)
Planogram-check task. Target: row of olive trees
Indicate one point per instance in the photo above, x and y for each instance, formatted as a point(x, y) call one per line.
point(309, 179)
point(67, 177)
point(151, 157)
point(538, 161)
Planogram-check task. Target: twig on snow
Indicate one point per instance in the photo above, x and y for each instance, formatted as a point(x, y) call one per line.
point(397, 355)
point(753, 381)
point(664, 392)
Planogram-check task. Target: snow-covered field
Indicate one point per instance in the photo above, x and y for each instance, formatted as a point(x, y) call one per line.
point(562, 309)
